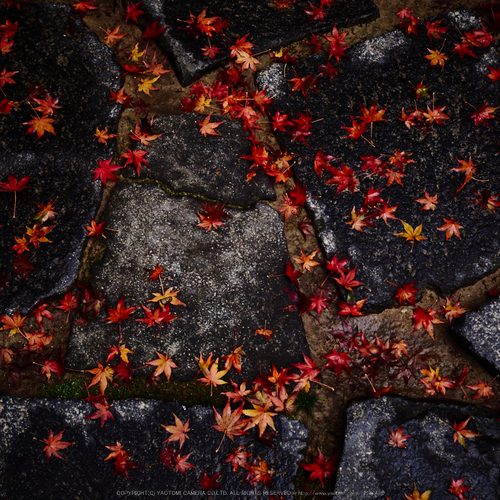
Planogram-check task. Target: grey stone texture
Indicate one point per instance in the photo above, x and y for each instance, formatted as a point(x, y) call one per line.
point(371, 468)
point(267, 26)
point(387, 69)
point(480, 330)
point(85, 474)
point(187, 162)
point(221, 275)
point(53, 49)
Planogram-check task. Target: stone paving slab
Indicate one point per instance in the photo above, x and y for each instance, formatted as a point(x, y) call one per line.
point(480, 330)
point(221, 275)
point(269, 27)
point(370, 468)
point(187, 162)
point(387, 69)
point(79, 71)
point(84, 474)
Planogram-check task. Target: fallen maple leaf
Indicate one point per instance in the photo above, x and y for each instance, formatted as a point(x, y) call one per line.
point(54, 445)
point(483, 114)
point(229, 423)
point(163, 364)
point(112, 36)
point(411, 234)
point(208, 482)
point(457, 489)
point(307, 261)
point(14, 185)
point(468, 168)
point(451, 227)
point(137, 158)
point(13, 324)
point(261, 417)
point(436, 57)
point(425, 318)
point(207, 127)
point(40, 125)
point(321, 468)
point(102, 375)
point(461, 433)
point(397, 438)
point(429, 202)
point(178, 431)
point(102, 413)
point(483, 390)
point(146, 85)
point(213, 377)
point(104, 171)
point(103, 136)
point(419, 496)
point(142, 136)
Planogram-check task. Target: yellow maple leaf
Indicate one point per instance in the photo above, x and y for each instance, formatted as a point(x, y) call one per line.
point(411, 234)
point(146, 85)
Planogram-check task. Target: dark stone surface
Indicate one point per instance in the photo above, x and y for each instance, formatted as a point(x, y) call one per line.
point(387, 69)
point(371, 468)
point(79, 71)
point(187, 162)
point(221, 275)
point(25, 473)
point(480, 329)
point(268, 27)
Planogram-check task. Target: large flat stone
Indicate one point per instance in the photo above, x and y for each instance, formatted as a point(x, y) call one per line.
point(268, 27)
point(387, 69)
point(222, 276)
point(480, 329)
point(187, 162)
point(79, 71)
point(371, 468)
point(137, 424)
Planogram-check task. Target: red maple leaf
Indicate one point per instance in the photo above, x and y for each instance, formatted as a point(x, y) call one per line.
point(209, 482)
point(13, 185)
point(211, 215)
point(54, 445)
point(406, 293)
point(338, 362)
point(397, 438)
point(321, 468)
point(104, 171)
point(357, 129)
point(483, 114)
point(457, 489)
point(229, 422)
point(143, 136)
point(102, 412)
point(425, 318)
point(119, 314)
point(137, 158)
point(133, 12)
point(451, 227)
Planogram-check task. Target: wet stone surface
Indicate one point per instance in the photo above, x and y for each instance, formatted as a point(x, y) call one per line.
point(480, 329)
point(187, 162)
point(77, 70)
point(371, 468)
point(221, 275)
point(387, 69)
point(269, 27)
point(137, 426)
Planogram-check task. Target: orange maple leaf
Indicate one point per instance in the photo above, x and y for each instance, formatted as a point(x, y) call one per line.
point(307, 261)
point(429, 202)
point(451, 227)
point(40, 125)
point(167, 297)
point(260, 416)
point(178, 431)
point(13, 324)
point(102, 375)
point(229, 423)
point(113, 36)
point(436, 57)
point(468, 168)
point(213, 377)
point(54, 445)
point(207, 127)
point(163, 364)
point(103, 136)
